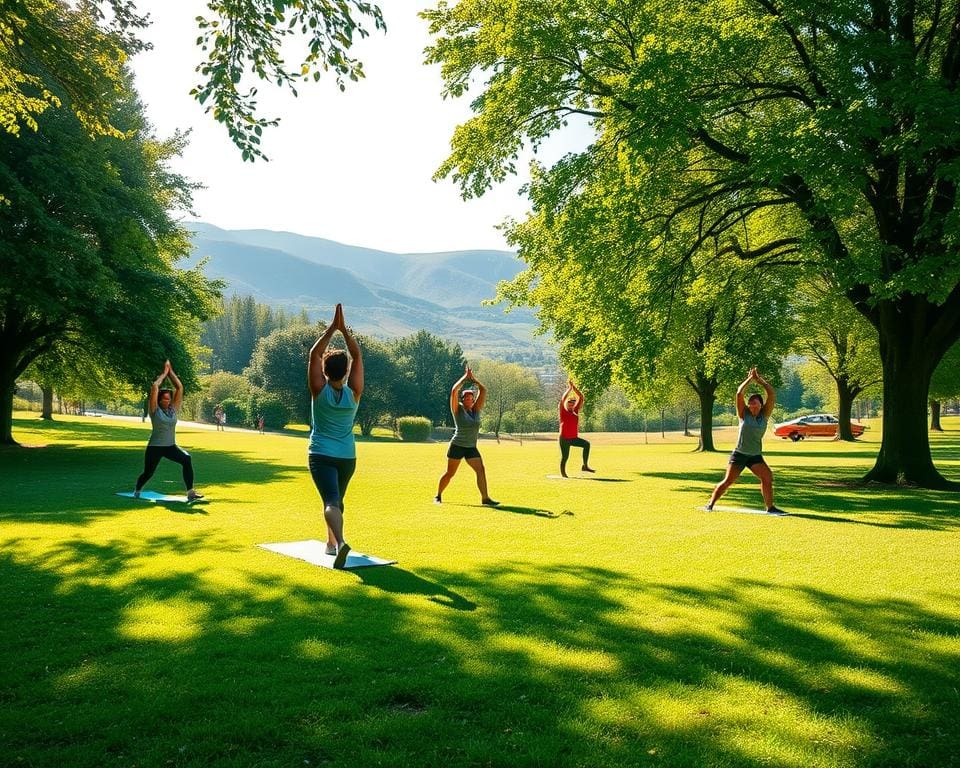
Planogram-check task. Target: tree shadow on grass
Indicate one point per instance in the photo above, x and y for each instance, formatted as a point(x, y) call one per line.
point(806, 493)
point(575, 666)
point(64, 483)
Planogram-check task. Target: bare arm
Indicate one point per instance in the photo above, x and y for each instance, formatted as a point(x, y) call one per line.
point(481, 393)
point(177, 387)
point(315, 376)
point(741, 404)
point(355, 379)
point(155, 388)
point(770, 399)
point(578, 393)
point(455, 392)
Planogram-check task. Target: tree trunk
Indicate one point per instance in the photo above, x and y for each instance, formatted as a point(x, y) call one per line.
point(904, 456)
point(46, 410)
point(845, 397)
point(706, 390)
point(663, 428)
point(935, 416)
point(6, 412)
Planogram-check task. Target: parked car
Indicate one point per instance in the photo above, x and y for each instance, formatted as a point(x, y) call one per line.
point(814, 425)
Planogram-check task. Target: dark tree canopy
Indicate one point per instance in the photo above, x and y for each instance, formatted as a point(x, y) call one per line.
point(823, 129)
point(89, 248)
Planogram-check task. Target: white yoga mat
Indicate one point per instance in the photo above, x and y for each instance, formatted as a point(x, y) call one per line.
point(155, 497)
point(312, 551)
point(743, 510)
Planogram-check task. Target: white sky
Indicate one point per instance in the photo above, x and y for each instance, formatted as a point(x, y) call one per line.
point(354, 167)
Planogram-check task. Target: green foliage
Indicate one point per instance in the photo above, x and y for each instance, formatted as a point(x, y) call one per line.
point(275, 414)
point(428, 367)
point(507, 385)
point(414, 429)
point(945, 383)
point(382, 398)
point(84, 49)
point(236, 411)
point(233, 333)
point(279, 366)
point(89, 247)
point(768, 133)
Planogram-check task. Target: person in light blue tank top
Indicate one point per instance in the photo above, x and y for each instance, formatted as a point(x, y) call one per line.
point(335, 397)
point(754, 417)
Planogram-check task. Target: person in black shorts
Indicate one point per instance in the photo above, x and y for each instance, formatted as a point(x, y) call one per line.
point(754, 416)
point(465, 405)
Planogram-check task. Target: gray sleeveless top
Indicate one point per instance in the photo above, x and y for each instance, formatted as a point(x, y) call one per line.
point(750, 439)
point(164, 427)
point(468, 428)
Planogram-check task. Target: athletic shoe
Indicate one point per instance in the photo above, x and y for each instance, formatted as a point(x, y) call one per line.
point(341, 559)
point(776, 511)
point(193, 495)
point(436, 499)
point(708, 508)
point(488, 502)
point(136, 494)
point(328, 550)
point(587, 469)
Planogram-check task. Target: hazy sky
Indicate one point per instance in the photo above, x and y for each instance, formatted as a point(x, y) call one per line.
point(354, 167)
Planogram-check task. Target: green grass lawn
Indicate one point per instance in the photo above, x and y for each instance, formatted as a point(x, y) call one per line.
point(602, 622)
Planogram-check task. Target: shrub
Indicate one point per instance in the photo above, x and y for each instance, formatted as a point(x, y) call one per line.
point(236, 412)
point(275, 414)
point(414, 429)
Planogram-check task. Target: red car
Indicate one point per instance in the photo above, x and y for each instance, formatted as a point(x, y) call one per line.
point(814, 425)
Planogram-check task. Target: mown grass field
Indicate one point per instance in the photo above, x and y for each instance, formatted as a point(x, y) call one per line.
point(600, 622)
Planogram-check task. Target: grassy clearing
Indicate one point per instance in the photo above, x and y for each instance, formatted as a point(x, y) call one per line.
point(584, 623)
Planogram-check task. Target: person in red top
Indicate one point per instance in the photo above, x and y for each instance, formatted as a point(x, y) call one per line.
point(570, 405)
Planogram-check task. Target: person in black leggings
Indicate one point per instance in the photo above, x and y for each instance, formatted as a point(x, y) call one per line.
point(163, 408)
point(570, 405)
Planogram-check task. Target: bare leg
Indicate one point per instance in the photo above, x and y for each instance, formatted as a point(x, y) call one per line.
point(334, 518)
point(766, 482)
point(733, 472)
point(452, 466)
point(477, 466)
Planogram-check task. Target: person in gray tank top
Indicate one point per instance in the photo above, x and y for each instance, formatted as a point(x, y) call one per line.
point(754, 416)
point(465, 405)
point(163, 408)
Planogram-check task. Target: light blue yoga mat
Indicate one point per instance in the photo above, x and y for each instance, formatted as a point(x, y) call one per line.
point(155, 497)
point(312, 551)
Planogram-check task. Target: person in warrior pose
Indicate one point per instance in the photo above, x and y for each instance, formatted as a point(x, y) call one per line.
point(336, 384)
point(163, 407)
point(754, 416)
point(465, 405)
point(570, 405)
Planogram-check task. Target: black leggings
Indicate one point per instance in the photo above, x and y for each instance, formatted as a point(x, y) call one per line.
point(331, 476)
point(152, 458)
point(566, 442)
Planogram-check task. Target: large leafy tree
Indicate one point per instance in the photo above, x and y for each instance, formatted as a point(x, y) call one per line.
point(842, 116)
point(279, 366)
point(838, 339)
point(508, 385)
point(88, 247)
point(82, 45)
point(428, 366)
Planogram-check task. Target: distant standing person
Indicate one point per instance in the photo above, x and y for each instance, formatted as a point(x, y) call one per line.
point(570, 405)
point(336, 384)
point(754, 416)
point(163, 407)
point(465, 405)
point(218, 417)
point(260, 423)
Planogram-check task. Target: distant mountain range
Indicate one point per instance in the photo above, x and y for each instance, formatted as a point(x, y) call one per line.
point(384, 294)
